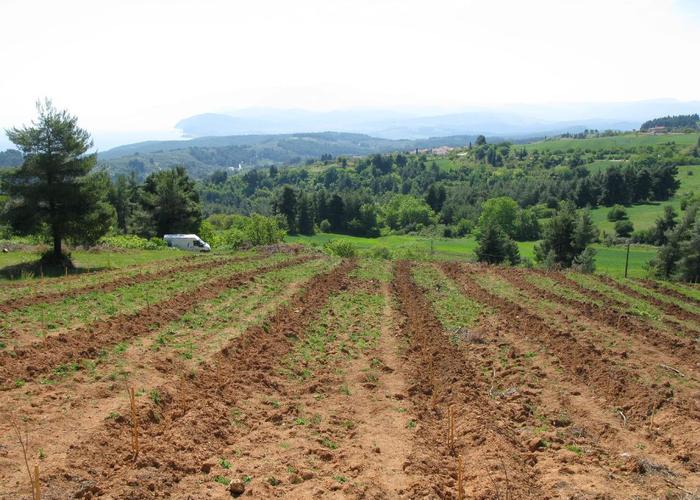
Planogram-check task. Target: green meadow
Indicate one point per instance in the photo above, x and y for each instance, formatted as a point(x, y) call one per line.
point(625, 141)
point(609, 260)
point(86, 260)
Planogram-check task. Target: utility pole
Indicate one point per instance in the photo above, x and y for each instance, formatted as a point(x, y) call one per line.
point(627, 258)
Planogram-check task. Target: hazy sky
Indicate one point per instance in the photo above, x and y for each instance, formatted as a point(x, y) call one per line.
point(141, 65)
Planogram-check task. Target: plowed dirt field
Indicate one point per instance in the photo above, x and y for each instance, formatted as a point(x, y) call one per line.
point(297, 375)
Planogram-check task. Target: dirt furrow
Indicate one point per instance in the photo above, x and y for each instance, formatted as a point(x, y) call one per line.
point(579, 356)
point(672, 323)
point(496, 461)
point(581, 449)
point(335, 423)
point(106, 287)
point(195, 417)
point(578, 288)
point(79, 404)
point(685, 350)
point(86, 342)
point(658, 287)
point(668, 308)
point(635, 402)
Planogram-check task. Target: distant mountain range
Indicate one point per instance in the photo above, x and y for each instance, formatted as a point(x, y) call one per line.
point(261, 137)
point(396, 128)
point(515, 121)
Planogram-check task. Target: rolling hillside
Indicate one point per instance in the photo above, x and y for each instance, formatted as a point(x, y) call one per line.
point(624, 141)
point(204, 155)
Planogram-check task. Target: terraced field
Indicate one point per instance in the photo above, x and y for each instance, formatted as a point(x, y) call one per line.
point(294, 374)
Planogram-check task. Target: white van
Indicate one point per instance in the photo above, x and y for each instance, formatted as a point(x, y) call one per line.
point(187, 242)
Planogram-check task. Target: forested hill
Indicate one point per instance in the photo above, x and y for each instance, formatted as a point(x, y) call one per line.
point(204, 155)
point(678, 122)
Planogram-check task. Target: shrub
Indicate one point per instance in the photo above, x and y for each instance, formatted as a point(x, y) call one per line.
point(261, 230)
point(206, 232)
point(131, 241)
point(341, 248)
point(624, 228)
point(325, 226)
point(381, 253)
point(252, 231)
point(645, 236)
point(463, 227)
point(617, 213)
point(585, 261)
point(408, 213)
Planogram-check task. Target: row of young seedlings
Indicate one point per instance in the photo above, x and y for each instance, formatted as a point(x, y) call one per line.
point(24, 444)
point(452, 443)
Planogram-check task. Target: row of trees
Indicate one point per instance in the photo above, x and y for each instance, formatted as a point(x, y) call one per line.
point(58, 192)
point(674, 122)
point(566, 237)
point(532, 179)
point(679, 255)
point(166, 202)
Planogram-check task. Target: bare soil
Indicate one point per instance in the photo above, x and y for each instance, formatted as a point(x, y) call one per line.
point(548, 395)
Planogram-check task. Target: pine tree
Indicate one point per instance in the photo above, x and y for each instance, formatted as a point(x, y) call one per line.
point(124, 197)
point(306, 219)
point(170, 200)
point(666, 261)
point(336, 213)
point(585, 232)
point(689, 265)
point(496, 247)
point(664, 224)
point(566, 237)
point(287, 207)
point(53, 187)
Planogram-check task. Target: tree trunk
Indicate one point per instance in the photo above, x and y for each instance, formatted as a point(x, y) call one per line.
point(57, 246)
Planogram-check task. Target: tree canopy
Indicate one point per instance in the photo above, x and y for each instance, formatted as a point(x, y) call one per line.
point(53, 190)
point(172, 203)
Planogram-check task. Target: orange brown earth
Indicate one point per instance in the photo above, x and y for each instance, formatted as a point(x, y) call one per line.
point(292, 374)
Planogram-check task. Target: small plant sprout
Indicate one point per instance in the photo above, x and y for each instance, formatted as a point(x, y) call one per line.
point(451, 428)
point(134, 423)
point(328, 443)
point(460, 478)
point(24, 444)
point(155, 396)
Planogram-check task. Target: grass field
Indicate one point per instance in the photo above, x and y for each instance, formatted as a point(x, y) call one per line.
point(609, 260)
point(289, 373)
point(645, 215)
point(85, 260)
point(632, 140)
